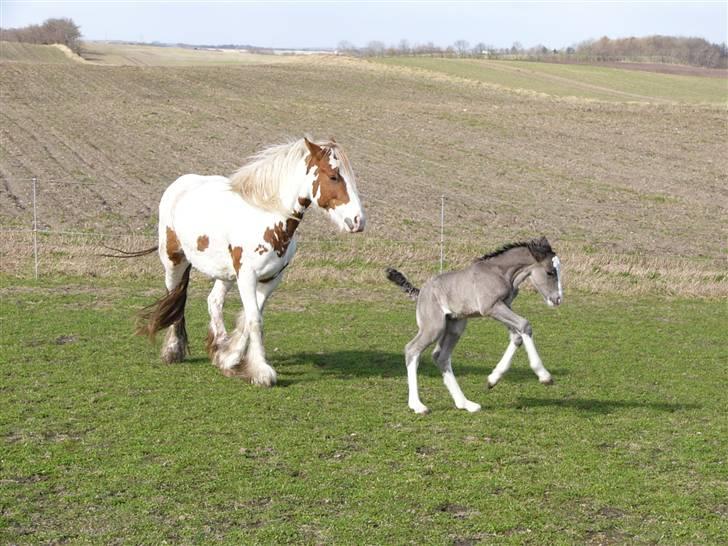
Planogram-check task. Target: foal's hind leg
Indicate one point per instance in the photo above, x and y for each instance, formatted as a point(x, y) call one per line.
point(431, 321)
point(174, 348)
point(442, 356)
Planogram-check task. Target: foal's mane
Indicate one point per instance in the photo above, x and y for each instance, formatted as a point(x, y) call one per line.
point(262, 178)
point(540, 249)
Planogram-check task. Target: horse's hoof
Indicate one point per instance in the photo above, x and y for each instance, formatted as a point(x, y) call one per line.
point(490, 384)
point(265, 376)
point(236, 371)
point(548, 382)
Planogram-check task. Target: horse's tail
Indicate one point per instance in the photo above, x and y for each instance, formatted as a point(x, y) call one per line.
point(166, 311)
point(128, 254)
point(400, 280)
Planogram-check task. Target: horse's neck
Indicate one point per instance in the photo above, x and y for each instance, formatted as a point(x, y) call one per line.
point(293, 196)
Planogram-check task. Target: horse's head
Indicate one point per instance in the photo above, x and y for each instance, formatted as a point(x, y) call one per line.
point(546, 273)
point(333, 188)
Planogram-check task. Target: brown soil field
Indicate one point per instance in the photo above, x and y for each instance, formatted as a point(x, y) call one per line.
point(634, 194)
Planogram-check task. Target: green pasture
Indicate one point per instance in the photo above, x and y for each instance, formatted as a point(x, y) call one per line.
point(101, 443)
point(584, 81)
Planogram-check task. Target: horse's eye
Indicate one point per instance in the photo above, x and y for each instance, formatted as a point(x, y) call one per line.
point(551, 273)
point(334, 177)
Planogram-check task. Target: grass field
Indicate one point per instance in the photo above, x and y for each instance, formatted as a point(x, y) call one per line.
point(625, 172)
point(582, 81)
point(102, 443)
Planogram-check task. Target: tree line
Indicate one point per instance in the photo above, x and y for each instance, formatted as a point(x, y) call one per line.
point(52, 31)
point(662, 49)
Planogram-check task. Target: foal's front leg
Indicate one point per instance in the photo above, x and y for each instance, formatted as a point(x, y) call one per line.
point(522, 328)
point(505, 362)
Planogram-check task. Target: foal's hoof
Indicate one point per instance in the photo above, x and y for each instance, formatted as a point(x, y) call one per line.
point(490, 385)
point(548, 382)
point(472, 407)
point(420, 409)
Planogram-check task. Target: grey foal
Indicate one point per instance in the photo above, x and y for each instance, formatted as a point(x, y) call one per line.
point(485, 288)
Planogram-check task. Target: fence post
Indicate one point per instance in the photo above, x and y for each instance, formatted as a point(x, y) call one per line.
point(442, 231)
point(35, 228)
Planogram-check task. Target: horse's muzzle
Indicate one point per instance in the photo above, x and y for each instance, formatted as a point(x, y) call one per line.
point(356, 225)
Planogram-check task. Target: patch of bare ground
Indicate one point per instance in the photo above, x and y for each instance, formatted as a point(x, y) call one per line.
point(632, 194)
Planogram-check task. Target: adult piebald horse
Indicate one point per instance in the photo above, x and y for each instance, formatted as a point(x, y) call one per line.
point(240, 230)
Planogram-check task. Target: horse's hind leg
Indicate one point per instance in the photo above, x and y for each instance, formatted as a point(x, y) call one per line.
point(216, 333)
point(442, 356)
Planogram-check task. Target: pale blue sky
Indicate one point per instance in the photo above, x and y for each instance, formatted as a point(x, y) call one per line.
point(325, 24)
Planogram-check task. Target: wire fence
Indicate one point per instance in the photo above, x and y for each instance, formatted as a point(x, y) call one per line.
point(39, 232)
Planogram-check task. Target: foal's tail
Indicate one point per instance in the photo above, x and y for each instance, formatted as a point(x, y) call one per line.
point(400, 280)
point(166, 311)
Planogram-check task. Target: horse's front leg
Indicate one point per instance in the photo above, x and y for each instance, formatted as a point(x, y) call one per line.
point(255, 367)
point(502, 313)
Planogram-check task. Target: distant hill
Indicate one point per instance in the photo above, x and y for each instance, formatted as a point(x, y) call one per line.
point(33, 53)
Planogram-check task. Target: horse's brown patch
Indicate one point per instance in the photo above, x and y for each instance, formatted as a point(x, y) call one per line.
point(174, 248)
point(279, 237)
point(203, 241)
point(236, 252)
point(304, 202)
point(260, 249)
point(333, 187)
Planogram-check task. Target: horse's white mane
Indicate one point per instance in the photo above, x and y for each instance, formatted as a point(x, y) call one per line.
point(262, 178)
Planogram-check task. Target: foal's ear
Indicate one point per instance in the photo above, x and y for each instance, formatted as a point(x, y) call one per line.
point(316, 150)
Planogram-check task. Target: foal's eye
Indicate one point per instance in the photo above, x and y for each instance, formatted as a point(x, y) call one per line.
point(551, 273)
point(334, 177)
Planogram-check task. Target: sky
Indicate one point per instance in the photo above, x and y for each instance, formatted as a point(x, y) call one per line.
point(325, 24)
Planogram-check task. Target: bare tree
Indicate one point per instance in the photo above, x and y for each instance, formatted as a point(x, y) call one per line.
point(461, 46)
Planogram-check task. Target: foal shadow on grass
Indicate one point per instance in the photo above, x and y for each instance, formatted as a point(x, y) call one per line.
point(363, 363)
point(595, 405)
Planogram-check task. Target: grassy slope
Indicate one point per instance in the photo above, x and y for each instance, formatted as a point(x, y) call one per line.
point(583, 81)
point(32, 53)
point(101, 442)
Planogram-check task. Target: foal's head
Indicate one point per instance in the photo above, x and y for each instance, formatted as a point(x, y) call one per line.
point(546, 273)
point(333, 188)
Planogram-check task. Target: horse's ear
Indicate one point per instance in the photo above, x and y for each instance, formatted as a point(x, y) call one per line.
point(315, 149)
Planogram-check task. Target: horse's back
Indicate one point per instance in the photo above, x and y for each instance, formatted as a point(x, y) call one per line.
point(188, 184)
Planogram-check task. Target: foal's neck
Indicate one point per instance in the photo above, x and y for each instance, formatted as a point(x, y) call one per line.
point(515, 264)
